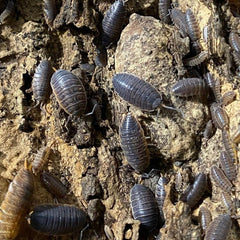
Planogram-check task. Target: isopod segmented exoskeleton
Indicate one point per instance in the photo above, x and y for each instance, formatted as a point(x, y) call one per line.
point(192, 26)
point(219, 228)
point(205, 218)
point(57, 219)
point(133, 143)
point(214, 85)
point(227, 98)
point(69, 92)
point(53, 185)
point(163, 10)
point(227, 201)
point(236, 136)
point(234, 41)
point(7, 12)
point(220, 179)
point(49, 9)
point(196, 60)
point(16, 203)
point(228, 166)
point(112, 23)
point(209, 131)
point(144, 207)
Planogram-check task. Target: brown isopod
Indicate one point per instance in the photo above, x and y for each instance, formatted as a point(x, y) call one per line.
point(220, 179)
point(53, 185)
point(49, 9)
point(133, 143)
point(188, 87)
point(219, 228)
point(16, 203)
point(234, 41)
point(219, 116)
point(196, 60)
point(236, 136)
point(228, 98)
point(8, 12)
point(228, 166)
point(112, 23)
point(205, 218)
point(69, 92)
point(163, 10)
point(192, 26)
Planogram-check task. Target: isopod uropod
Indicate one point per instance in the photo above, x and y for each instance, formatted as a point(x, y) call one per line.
point(133, 143)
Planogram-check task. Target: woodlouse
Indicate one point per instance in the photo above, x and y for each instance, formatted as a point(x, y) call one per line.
point(163, 10)
point(196, 191)
point(41, 82)
point(53, 185)
point(236, 136)
point(234, 41)
point(49, 9)
point(214, 85)
point(219, 228)
point(144, 207)
point(133, 143)
point(112, 23)
point(228, 166)
point(7, 13)
point(208, 131)
point(220, 179)
point(219, 116)
point(228, 98)
point(196, 60)
point(190, 87)
point(15, 203)
point(229, 147)
point(227, 201)
point(69, 91)
point(205, 218)
point(192, 26)
point(101, 58)
point(57, 219)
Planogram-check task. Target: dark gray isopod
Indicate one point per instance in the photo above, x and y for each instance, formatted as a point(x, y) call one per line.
point(57, 219)
point(208, 131)
point(136, 91)
point(214, 85)
point(7, 12)
point(229, 147)
point(144, 207)
point(69, 91)
point(219, 228)
point(133, 143)
point(49, 9)
point(112, 23)
point(196, 60)
point(53, 185)
point(192, 26)
point(220, 179)
point(228, 166)
point(188, 87)
point(234, 41)
point(196, 191)
point(41, 82)
point(163, 10)
point(205, 218)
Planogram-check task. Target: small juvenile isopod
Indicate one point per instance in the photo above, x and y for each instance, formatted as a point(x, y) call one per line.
point(229, 147)
point(196, 60)
point(220, 179)
point(112, 23)
point(219, 228)
point(192, 26)
point(49, 9)
point(208, 131)
point(205, 218)
point(236, 136)
point(196, 191)
point(144, 207)
point(16, 203)
point(41, 82)
point(53, 185)
point(57, 219)
point(190, 87)
point(69, 91)
point(133, 143)
point(7, 13)
point(234, 41)
point(228, 166)
point(163, 10)
point(228, 98)
point(219, 116)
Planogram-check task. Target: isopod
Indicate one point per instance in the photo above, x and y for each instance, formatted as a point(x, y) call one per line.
point(229, 147)
point(108, 232)
point(219, 228)
point(228, 166)
point(234, 41)
point(220, 179)
point(41, 82)
point(144, 207)
point(163, 10)
point(190, 87)
point(53, 185)
point(219, 116)
point(133, 143)
point(112, 23)
point(227, 201)
point(69, 91)
point(228, 98)
point(16, 203)
point(214, 85)
point(208, 131)
point(196, 60)
point(205, 218)
point(49, 9)
point(101, 58)
point(192, 26)
point(57, 219)
point(196, 191)
point(236, 136)
point(8, 11)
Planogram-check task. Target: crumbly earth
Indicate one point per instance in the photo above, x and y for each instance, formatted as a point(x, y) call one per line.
point(86, 155)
